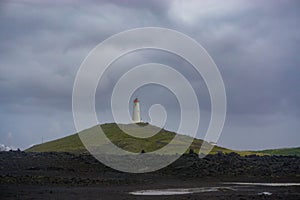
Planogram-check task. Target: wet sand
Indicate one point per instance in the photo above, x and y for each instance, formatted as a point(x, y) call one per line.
point(123, 192)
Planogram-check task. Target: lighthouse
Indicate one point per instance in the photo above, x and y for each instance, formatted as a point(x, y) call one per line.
point(136, 116)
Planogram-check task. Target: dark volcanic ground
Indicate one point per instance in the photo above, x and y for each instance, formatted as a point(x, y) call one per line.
point(67, 176)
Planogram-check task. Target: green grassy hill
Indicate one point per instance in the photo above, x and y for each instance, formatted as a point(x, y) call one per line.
point(73, 143)
point(282, 151)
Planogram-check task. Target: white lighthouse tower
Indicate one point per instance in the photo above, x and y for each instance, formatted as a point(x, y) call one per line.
point(136, 116)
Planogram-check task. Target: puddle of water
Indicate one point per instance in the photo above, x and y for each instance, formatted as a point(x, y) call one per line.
point(263, 184)
point(265, 193)
point(159, 192)
point(180, 191)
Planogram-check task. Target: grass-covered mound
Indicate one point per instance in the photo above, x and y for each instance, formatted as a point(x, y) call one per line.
point(127, 142)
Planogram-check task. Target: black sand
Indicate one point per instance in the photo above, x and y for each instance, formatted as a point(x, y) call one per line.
point(67, 176)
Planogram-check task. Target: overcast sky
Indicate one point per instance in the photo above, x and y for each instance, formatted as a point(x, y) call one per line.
point(255, 44)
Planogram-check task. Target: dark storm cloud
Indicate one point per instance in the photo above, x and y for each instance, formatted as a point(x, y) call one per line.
point(255, 46)
point(155, 6)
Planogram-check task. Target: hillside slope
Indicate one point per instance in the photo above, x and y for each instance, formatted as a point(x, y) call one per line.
point(282, 151)
point(73, 143)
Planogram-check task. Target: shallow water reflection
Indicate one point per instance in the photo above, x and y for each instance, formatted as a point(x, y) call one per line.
point(237, 186)
point(179, 191)
point(263, 184)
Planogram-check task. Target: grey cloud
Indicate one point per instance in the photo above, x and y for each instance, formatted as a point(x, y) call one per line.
point(255, 46)
point(253, 49)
